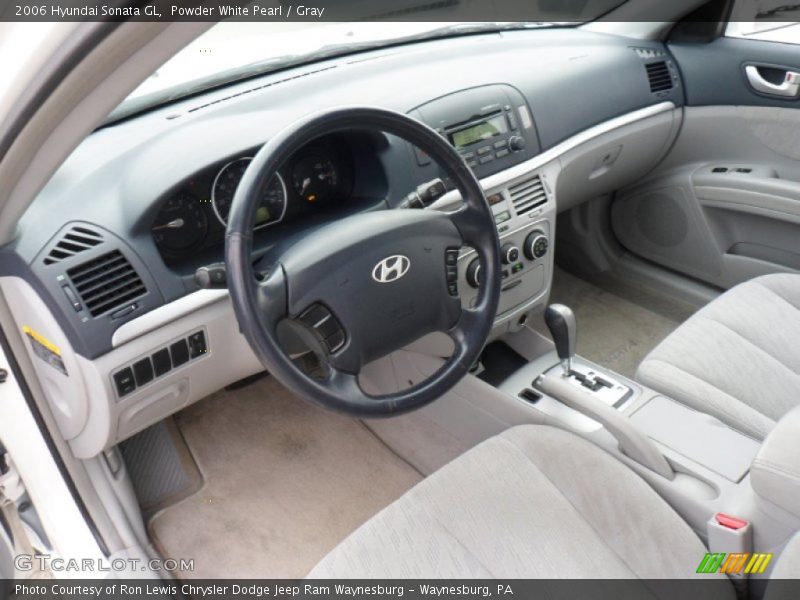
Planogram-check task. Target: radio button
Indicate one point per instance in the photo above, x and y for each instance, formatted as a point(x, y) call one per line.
point(501, 153)
point(485, 159)
point(516, 143)
point(484, 150)
point(501, 144)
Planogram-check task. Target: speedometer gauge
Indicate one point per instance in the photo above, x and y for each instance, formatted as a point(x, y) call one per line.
point(273, 200)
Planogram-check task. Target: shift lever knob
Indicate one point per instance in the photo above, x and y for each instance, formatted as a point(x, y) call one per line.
point(560, 321)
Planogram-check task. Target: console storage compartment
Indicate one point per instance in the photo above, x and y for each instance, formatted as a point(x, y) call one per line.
point(699, 437)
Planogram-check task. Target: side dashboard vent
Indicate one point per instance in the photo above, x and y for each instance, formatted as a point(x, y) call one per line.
point(527, 195)
point(76, 240)
point(659, 76)
point(106, 282)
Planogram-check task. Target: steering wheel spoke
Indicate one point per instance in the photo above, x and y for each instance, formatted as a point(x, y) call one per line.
point(271, 299)
point(470, 223)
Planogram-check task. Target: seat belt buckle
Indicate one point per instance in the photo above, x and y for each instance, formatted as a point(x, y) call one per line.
point(730, 545)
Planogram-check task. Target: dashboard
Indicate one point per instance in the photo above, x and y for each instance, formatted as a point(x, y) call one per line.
point(104, 262)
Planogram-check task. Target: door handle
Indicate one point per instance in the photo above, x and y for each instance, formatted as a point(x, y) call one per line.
point(790, 88)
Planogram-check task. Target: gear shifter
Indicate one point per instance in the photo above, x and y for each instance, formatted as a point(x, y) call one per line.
point(560, 321)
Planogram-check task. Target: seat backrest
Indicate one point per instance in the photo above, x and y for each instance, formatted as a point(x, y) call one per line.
point(787, 568)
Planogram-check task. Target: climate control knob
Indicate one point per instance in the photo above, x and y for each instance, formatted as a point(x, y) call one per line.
point(509, 254)
point(474, 273)
point(536, 245)
point(516, 143)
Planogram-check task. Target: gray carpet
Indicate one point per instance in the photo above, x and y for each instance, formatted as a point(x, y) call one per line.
point(612, 331)
point(285, 482)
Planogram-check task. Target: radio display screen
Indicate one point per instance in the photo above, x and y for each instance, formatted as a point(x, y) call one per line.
point(479, 131)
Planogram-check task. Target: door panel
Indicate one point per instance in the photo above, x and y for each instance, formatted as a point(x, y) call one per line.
point(724, 206)
point(715, 73)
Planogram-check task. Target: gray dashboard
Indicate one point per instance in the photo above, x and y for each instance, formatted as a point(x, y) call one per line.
point(105, 198)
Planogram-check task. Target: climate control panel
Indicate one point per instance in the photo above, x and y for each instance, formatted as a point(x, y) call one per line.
point(524, 270)
point(535, 247)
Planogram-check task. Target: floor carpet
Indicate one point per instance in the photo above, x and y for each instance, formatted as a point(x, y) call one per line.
point(612, 331)
point(284, 483)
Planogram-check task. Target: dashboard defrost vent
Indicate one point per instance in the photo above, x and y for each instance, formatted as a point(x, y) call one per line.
point(260, 87)
point(659, 76)
point(527, 195)
point(106, 282)
point(75, 241)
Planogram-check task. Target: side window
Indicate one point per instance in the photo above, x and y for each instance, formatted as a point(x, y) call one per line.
point(766, 20)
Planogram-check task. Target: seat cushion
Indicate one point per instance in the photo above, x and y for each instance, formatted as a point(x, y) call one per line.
point(533, 502)
point(738, 358)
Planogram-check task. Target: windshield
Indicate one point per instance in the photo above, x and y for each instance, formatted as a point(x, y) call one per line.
point(231, 51)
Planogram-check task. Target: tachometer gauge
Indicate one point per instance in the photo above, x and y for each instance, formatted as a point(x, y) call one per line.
point(315, 178)
point(273, 200)
point(181, 224)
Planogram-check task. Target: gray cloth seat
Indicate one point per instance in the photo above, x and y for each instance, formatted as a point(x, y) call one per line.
point(738, 358)
point(533, 502)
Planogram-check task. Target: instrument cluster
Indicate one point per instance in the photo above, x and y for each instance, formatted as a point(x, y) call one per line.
point(319, 177)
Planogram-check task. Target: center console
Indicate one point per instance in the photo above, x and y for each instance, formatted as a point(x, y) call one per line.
point(705, 469)
point(493, 129)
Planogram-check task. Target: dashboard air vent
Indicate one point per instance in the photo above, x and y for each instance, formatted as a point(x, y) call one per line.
point(261, 87)
point(106, 282)
point(659, 76)
point(527, 195)
point(75, 241)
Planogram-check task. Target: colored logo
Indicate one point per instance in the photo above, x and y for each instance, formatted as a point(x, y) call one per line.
point(734, 563)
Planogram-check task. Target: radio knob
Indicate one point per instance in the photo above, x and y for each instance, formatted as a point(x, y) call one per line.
point(516, 143)
point(474, 273)
point(536, 245)
point(509, 254)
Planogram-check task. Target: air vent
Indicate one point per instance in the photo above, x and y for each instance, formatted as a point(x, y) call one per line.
point(75, 241)
point(527, 195)
point(106, 282)
point(659, 76)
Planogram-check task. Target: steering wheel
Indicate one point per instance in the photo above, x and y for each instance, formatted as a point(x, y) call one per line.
point(366, 285)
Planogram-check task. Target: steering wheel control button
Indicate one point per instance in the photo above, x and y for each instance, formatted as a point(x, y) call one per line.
point(143, 371)
point(124, 382)
point(335, 341)
point(451, 270)
point(474, 273)
point(162, 363)
point(509, 254)
point(179, 352)
point(325, 326)
point(197, 344)
point(451, 257)
point(536, 245)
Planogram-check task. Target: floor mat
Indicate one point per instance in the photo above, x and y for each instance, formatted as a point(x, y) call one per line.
point(160, 466)
point(612, 332)
point(285, 483)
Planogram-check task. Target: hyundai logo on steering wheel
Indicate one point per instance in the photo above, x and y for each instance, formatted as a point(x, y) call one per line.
point(391, 268)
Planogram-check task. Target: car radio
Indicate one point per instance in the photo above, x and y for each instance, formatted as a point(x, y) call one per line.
point(489, 137)
point(490, 126)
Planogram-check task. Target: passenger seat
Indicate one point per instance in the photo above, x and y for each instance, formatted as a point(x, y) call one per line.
point(738, 358)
